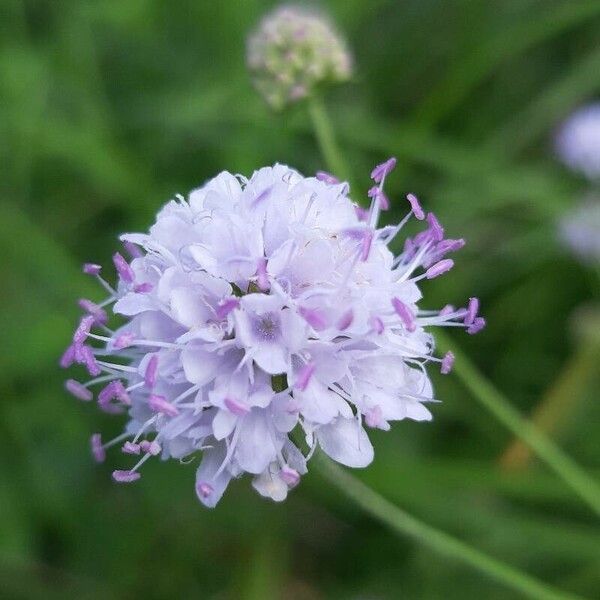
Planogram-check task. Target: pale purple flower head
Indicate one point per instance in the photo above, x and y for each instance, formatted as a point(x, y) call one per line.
point(262, 319)
point(580, 230)
point(293, 50)
point(578, 141)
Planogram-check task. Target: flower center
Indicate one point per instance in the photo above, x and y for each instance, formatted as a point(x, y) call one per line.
point(266, 327)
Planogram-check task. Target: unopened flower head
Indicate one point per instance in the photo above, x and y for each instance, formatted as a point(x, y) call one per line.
point(261, 319)
point(578, 141)
point(293, 50)
point(580, 230)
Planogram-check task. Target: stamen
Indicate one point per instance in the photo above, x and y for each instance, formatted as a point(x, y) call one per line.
point(91, 269)
point(437, 231)
point(97, 449)
point(376, 325)
point(151, 371)
point(143, 288)
point(405, 314)
point(315, 318)
point(478, 324)
point(78, 390)
point(290, 476)
point(235, 407)
point(380, 171)
point(125, 476)
point(415, 206)
point(130, 448)
point(161, 405)
point(447, 363)
point(152, 447)
point(94, 310)
point(345, 320)
point(123, 269)
point(326, 177)
point(472, 310)
point(226, 306)
point(304, 376)
point(261, 272)
point(83, 329)
point(439, 268)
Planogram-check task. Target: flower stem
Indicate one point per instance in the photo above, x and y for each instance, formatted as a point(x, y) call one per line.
point(570, 472)
point(443, 543)
point(326, 138)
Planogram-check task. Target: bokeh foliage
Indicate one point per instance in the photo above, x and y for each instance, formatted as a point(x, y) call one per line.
point(109, 107)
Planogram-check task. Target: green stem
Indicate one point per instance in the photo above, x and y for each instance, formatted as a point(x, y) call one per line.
point(443, 543)
point(570, 472)
point(326, 138)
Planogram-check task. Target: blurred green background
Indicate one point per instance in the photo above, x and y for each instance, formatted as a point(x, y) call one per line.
point(109, 107)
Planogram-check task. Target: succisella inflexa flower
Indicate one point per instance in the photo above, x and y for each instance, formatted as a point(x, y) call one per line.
point(293, 50)
point(262, 319)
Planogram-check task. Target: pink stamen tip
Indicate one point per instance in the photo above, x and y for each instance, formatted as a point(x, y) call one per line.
point(304, 376)
point(448, 309)
point(362, 214)
point(99, 314)
point(314, 318)
point(121, 393)
point(435, 228)
point(133, 250)
point(227, 306)
point(405, 314)
point(345, 320)
point(151, 371)
point(97, 449)
point(91, 269)
point(90, 361)
point(68, 357)
point(161, 405)
point(290, 476)
point(123, 269)
point(125, 476)
point(143, 288)
point(124, 340)
point(478, 324)
point(78, 390)
point(261, 273)
point(415, 206)
point(439, 268)
point(83, 329)
point(204, 490)
point(376, 325)
point(365, 247)
point(447, 363)
point(236, 408)
point(153, 448)
point(131, 448)
point(326, 177)
point(380, 171)
point(472, 310)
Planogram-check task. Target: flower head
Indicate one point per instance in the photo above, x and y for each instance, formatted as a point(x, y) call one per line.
point(293, 50)
point(580, 230)
point(578, 141)
point(261, 319)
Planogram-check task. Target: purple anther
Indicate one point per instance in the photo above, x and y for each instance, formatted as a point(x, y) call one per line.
point(439, 268)
point(415, 206)
point(447, 310)
point(226, 306)
point(262, 278)
point(378, 193)
point(124, 340)
point(446, 246)
point(405, 314)
point(376, 325)
point(477, 326)
point(83, 329)
point(106, 394)
point(362, 214)
point(447, 363)
point(120, 393)
point(89, 361)
point(290, 476)
point(262, 196)
point(125, 476)
point(326, 177)
point(91, 269)
point(314, 317)
point(123, 269)
point(143, 288)
point(99, 314)
point(161, 405)
point(97, 448)
point(131, 448)
point(345, 320)
point(204, 489)
point(304, 376)
point(437, 231)
point(472, 310)
point(68, 357)
point(133, 250)
point(380, 171)
point(153, 448)
point(151, 371)
point(78, 390)
point(235, 407)
point(365, 245)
